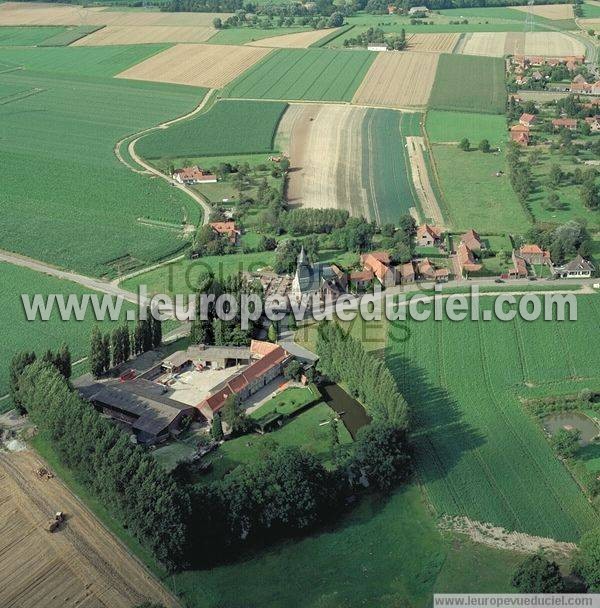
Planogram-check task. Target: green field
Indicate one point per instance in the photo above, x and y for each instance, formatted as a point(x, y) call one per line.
point(443, 127)
point(509, 14)
point(590, 11)
point(21, 334)
point(386, 173)
point(70, 35)
point(229, 127)
point(478, 452)
point(481, 200)
point(242, 35)
point(66, 199)
point(182, 276)
point(469, 84)
point(28, 36)
point(304, 74)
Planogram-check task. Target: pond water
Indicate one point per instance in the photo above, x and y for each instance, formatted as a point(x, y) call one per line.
point(572, 420)
point(351, 412)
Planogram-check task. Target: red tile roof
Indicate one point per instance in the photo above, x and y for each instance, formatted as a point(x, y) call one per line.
point(466, 259)
point(193, 173)
point(374, 262)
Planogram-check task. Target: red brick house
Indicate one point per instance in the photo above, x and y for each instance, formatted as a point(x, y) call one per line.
point(520, 134)
point(527, 119)
point(378, 263)
point(428, 236)
point(564, 123)
point(534, 254)
point(193, 175)
point(227, 229)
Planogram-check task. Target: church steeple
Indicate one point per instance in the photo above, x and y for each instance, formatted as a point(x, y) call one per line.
point(303, 258)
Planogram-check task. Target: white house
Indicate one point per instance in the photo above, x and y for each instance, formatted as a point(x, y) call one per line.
point(579, 268)
point(418, 9)
point(193, 175)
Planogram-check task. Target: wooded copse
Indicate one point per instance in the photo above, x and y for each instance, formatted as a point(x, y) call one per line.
point(343, 359)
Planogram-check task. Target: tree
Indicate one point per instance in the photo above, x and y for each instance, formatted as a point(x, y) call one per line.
point(566, 442)
point(587, 560)
point(538, 575)
point(17, 366)
point(105, 354)
point(555, 176)
point(63, 361)
point(484, 146)
point(273, 332)
point(336, 20)
point(334, 436)
point(156, 328)
point(293, 370)
point(216, 429)
point(96, 356)
point(284, 164)
point(464, 145)
point(590, 194)
point(217, 23)
point(117, 349)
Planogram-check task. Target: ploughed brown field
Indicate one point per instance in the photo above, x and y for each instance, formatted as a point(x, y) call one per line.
point(201, 65)
point(398, 80)
point(80, 564)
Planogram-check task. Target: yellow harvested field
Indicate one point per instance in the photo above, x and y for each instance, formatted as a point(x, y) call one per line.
point(548, 11)
point(499, 44)
point(398, 80)
point(14, 13)
point(300, 40)
point(490, 44)
point(146, 34)
point(436, 43)
point(201, 65)
point(80, 564)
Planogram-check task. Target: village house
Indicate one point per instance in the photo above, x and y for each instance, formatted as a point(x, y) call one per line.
point(378, 262)
point(391, 9)
point(380, 48)
point(527, 119)
point(193, 175)
point(472, 240)
point(428, 236)
point(227, 229)
point(466, 259)
point(519, 269)
point(361, 279)
point(406, 273)
point(428, 272)
point(418, 9)
point(520, 134)
point(564, 123)
point(594, 122)
point(534, 254)
point(537, 75)
point(579, 268)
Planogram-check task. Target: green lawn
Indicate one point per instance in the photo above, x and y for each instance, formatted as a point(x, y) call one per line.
point(21, 334)
point(480, 200)
point(443, 127)
point(469, 84)
point(509, 14)
point(298, 74)
point(287, 402)
point(181, 277)
point(229, 127)
point(478, 452)
point(304, 431)
point(82, 208)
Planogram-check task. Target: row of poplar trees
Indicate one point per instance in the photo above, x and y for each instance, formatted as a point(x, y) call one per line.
point(111, 349)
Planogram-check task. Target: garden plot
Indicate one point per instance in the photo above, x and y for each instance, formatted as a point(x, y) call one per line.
point(81, 564)
point(119, 34)
point(300, 40)
point(398, 80)
point(206, 65)
point(555, 12)
point(349, 158)
point(433, 43)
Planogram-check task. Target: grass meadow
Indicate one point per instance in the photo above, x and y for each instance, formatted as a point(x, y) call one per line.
point(478, 452)
point(480, 200)
point(444, 127)
point(229, 127)
point(20, 334)
point(469, 84)
point(242, 35)
point(304, 74)
point(66, 198)
point(28, 36)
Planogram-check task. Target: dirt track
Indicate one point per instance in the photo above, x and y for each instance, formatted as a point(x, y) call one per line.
point(81, 564)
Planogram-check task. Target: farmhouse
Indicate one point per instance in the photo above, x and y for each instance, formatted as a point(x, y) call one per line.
point(249, 380)
point(534, 254)
point(579, 268)
point(227, 229)
point(318, 279)
point(472, 240)
point(428, 236)
point(193, 175)
point(520, 134)
point(594, 122)
point(378, 263)
point(428, 271)
point(564, 123)
point(406, 273)
point(418, 9)
point(377, 47)
point(139, 405)
point(201, 357)
point(361, 279)
point(527, 119)
point(466, 259)
point(519, 269)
